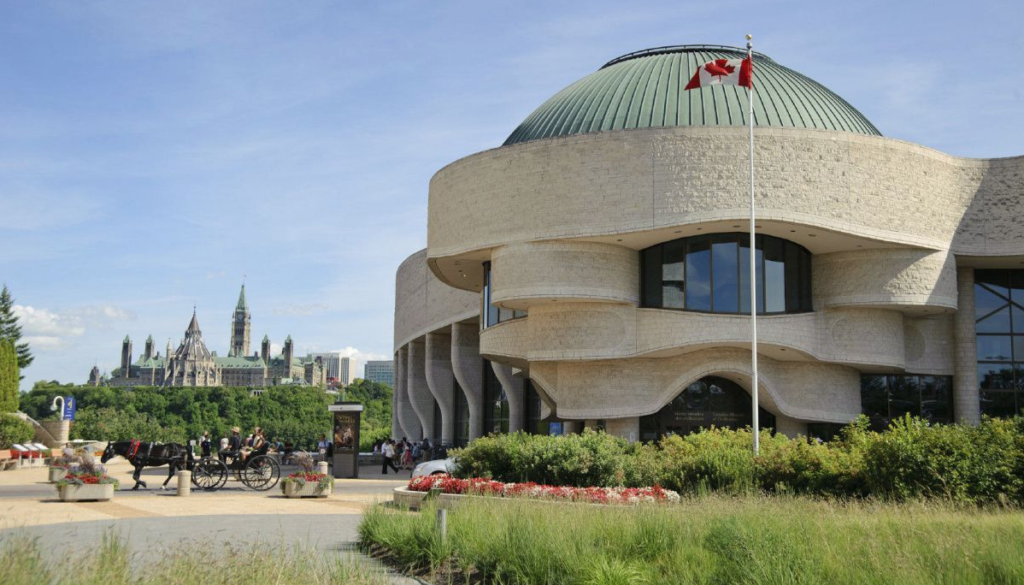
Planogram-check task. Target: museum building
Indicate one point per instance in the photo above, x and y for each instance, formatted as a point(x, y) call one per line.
point(593, 270)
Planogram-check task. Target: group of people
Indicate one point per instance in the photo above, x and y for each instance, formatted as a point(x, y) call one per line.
point(405, 453)
point(234, 446)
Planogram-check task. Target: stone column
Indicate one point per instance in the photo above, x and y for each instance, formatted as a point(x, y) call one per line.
point(467, 366)
point(789, 426)
point(514, 393)
point(439, 380)
point(410, 424)
point(419, 393)
point(396, 425)
point(966, 399)
point(627, 428)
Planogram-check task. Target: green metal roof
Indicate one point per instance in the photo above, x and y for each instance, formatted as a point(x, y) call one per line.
point(239, 362)
point(645, 90)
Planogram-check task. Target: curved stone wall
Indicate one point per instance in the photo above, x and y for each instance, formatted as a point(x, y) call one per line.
point(612, 183)
point(530, 273)
point(868, 338)
point(893, 278)
point(642, 386)
point(424, 304)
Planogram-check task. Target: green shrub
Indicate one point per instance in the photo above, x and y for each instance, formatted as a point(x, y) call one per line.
point(587, 459)
point(14, 430)
point(912, 459)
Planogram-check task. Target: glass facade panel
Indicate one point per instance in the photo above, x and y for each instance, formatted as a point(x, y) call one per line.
point(652, 281)
point(774, 276)
point(995, 348)
point(725, 259)
point(999, 314)
point(495, 402)
point(710, 401)
point(490, 313)
point(673, 275)
point(884, 398)
point(712, 274)
point(698, 275)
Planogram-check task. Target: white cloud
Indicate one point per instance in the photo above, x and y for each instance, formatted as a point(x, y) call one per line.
point(359, 358)
point(47, 330)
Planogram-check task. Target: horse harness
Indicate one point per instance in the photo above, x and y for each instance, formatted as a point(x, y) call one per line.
point(133, 451)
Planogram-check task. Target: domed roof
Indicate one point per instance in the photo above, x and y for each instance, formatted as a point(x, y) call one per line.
point(645, 90)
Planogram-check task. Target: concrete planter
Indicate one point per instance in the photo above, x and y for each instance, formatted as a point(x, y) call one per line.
point(57, 474)
point(309, 490)
point(412, 499)
point(79, 493)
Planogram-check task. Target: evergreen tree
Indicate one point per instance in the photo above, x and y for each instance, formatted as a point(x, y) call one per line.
point(8, 377)
point(11, 331)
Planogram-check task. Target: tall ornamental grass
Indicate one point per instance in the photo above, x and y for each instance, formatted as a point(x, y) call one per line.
point(709, 540)
point(911, 459)
point(24, 562)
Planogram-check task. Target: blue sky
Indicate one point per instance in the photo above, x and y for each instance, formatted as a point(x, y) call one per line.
point(151, 153)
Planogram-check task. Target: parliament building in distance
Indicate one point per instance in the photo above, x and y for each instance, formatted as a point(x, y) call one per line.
point(192, 364)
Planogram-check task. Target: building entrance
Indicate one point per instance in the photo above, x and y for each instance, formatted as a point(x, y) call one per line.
point(710, 401)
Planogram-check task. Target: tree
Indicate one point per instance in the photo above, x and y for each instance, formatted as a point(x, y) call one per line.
point(8, 377)
point(11, 331)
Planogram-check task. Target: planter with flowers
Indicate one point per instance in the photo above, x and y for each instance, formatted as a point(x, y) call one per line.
point(87, 480)
point(59, 466)
point(307, 483)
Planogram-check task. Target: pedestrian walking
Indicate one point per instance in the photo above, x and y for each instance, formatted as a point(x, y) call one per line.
point(389, 457)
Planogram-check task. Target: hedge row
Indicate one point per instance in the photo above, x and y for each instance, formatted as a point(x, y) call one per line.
point(911, 459)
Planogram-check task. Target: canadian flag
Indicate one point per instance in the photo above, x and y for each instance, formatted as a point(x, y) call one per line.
point(723, 72)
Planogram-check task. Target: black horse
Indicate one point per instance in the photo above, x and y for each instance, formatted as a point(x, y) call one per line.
point(141, 454)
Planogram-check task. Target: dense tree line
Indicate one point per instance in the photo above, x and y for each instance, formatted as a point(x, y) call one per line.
point(298, 414)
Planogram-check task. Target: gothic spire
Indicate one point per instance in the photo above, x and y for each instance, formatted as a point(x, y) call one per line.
point(193, 327)
point(242, 304)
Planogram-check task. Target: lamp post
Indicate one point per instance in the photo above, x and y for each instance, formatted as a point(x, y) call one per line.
point(55, 408)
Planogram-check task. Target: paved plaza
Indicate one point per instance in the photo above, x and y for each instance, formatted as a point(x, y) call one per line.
point(153, 518)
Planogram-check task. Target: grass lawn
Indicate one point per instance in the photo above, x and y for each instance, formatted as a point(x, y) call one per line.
point(22, 562)
point(757, 540)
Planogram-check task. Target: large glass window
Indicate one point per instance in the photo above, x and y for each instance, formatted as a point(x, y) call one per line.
point(712, 274)
point(496, 412)
point(491, 314)
point(884, 398)
point(708, 402)
point(999, 324)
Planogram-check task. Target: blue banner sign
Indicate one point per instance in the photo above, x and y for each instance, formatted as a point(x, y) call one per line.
point(70, 406)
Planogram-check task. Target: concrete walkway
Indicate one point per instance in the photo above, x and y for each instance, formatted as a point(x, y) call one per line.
point(155, 518)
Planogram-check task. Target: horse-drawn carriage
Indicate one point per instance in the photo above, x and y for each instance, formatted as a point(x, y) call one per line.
point(256, 470)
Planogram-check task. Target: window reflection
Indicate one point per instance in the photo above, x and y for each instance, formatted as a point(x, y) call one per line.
point(490, 313)
point(999, 315)
point(886, 398)
point(712, 274)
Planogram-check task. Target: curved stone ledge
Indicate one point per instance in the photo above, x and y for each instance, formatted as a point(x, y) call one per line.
point(886, 278)
point(864, 338)
point(530, 273)
point(642, 386)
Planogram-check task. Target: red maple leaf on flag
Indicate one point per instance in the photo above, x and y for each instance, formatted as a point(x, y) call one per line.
point(719, 68)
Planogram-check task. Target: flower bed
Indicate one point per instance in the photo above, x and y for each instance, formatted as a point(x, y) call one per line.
point(306, 484)
point(447, 484)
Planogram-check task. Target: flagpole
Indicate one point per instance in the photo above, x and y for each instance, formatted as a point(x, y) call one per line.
point(753, 257)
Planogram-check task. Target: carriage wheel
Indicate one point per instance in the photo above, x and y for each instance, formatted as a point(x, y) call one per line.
point(209, 474)
point(261, 473)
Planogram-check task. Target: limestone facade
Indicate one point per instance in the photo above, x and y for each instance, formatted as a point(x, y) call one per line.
point(895, 232)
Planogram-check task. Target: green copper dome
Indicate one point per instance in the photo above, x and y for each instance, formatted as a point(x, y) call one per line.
point(645, 90)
